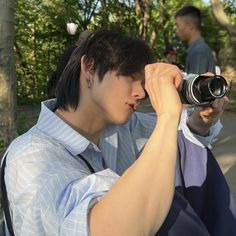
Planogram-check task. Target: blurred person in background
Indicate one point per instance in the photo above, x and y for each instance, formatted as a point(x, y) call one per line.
point(199, 58)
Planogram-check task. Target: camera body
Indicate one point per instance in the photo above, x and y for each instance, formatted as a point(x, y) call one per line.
point(202, 90)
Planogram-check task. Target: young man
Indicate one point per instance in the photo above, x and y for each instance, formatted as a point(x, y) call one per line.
point(199, 58)
point(92, 165)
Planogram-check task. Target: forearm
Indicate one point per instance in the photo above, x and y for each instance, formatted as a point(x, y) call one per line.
point(139, 202)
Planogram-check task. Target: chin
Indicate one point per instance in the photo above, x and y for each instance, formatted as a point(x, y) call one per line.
point(121, 120)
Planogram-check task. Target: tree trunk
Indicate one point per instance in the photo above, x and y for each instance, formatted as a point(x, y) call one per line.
point(142, 11)
point(227, 55)
point(7, 73)
point(105, 13)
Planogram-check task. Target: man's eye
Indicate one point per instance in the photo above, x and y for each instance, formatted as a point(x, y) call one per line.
point(133, 78)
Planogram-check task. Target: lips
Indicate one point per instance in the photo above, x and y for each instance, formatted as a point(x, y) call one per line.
point(133, 106)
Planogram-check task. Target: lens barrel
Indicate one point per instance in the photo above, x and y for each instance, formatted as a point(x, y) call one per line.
point(201, 90)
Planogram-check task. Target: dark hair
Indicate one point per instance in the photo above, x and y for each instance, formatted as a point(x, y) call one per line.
point(192, 12)
point(52, 83)
point(170, 49)
point(107, 50)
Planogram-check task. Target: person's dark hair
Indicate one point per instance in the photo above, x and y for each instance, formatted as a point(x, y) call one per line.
point(192, 12)
point(170, 49)
point(52, 83)
point(107, 50)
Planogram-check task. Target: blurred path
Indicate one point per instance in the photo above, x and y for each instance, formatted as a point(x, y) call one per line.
point(224, 148)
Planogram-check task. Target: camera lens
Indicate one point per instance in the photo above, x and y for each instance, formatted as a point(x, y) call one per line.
point(217, 86)
point(203, 90)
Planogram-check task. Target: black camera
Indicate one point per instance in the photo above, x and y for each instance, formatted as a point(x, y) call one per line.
point(201, 90)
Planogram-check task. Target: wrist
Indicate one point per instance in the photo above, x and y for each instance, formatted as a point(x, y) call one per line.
point(167, 123)
point(168, 119)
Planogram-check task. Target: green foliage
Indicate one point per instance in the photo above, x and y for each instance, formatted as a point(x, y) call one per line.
point(229, 8)
point(23, 100)
point(27, 117)
point(2, 146)
point(41, 35)
point(212, 32)
point(22, 123)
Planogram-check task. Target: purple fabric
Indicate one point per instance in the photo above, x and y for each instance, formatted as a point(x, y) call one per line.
point(202, 204)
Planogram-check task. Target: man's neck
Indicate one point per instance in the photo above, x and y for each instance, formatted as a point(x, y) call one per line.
point(194, 37)
point(83, 124)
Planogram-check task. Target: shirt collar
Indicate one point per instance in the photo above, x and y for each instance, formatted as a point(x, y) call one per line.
point(50, 124)
point(53, 126)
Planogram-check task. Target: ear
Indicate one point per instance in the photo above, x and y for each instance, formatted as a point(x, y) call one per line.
point(87, 66)
point(191, 25)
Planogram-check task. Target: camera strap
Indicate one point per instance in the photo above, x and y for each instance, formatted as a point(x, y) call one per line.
point(87, 163)
point(4, 200)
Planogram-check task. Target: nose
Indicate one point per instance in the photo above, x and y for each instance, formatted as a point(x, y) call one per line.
point(139, 91)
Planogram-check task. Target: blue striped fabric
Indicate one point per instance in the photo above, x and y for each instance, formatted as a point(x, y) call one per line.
point(50, 188)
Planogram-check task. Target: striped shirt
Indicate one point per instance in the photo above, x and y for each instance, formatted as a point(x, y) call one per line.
point(51, 189)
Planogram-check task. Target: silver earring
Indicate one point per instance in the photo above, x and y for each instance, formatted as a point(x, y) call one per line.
point(90, 83)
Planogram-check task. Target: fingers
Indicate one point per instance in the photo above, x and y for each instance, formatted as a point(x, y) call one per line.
point(164, 71)
point(220, 104)
point(208, 74)
point(161, 81)
point(148, 75)
point(206, 111)
point(210, 115)
point(225, 101)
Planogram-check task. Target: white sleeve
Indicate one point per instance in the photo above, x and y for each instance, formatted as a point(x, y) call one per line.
point(197, 139)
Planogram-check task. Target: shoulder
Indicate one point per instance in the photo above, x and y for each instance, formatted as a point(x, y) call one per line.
point(34, 146)
point(200, 49)
point(199, 46)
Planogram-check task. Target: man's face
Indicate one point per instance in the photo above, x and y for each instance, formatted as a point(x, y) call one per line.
point(182, 28)
point(117, 96)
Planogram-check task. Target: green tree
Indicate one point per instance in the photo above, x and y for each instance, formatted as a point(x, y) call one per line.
point(41, 34)
point(41, 37)
point(227, 19)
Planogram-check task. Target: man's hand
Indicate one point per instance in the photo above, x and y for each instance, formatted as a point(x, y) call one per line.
point(203, 118)
point(162, 82)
